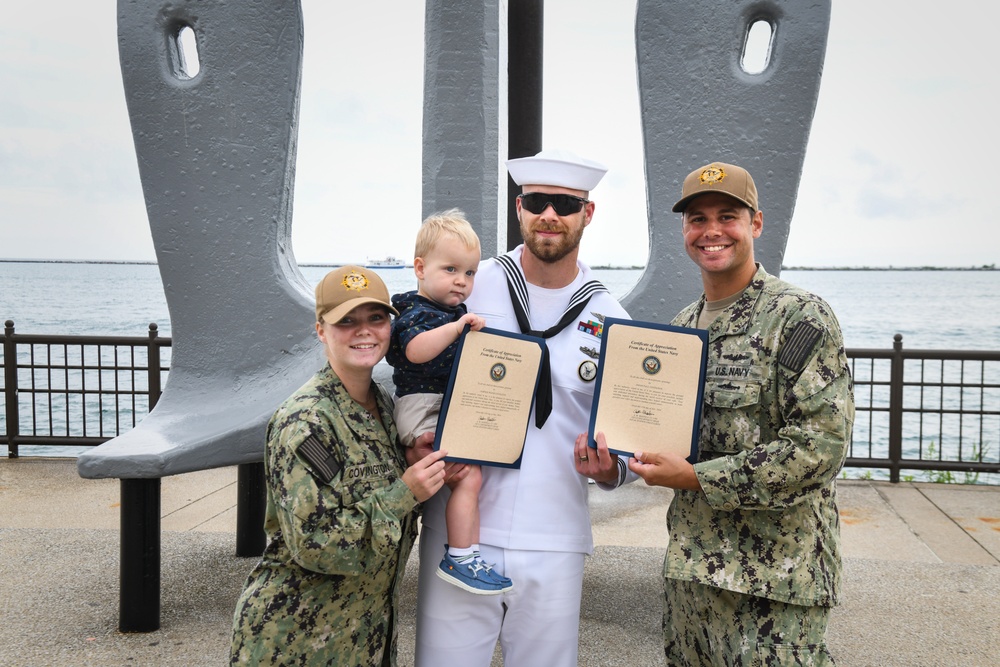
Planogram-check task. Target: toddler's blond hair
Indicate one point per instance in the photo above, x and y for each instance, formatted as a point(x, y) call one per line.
point(436, 225)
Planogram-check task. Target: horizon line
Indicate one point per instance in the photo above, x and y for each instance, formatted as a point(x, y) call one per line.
point(629, 267)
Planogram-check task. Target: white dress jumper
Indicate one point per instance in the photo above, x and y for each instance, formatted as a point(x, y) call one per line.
point(534, 521)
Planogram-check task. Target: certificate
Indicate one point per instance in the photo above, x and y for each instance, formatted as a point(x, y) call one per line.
point(487, 406)
point(649, 388)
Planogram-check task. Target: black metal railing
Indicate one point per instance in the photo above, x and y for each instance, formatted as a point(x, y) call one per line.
point(61, 390)
point(926, 410)
point(919, 410)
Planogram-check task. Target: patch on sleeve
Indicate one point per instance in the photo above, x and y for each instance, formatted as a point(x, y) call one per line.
point(799, 346)
point(323, 463)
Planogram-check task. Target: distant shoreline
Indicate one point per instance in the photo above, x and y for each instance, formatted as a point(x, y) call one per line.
point(602, 267)
point(990, 267)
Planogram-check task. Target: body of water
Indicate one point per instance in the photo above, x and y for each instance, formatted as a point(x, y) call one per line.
point(931, 309)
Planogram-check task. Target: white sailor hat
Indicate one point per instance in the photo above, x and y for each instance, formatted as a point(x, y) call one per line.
point(557, 167)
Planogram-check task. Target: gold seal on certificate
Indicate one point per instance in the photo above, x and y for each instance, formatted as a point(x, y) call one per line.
point(649, 387)
point(487, 406)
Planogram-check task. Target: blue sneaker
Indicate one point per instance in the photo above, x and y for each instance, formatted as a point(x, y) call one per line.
point(499, 578)
point(474, 576)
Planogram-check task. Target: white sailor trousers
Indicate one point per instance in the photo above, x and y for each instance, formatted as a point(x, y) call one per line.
point(537, 623)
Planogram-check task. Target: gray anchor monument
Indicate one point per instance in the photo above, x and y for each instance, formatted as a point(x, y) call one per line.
point(216, 155)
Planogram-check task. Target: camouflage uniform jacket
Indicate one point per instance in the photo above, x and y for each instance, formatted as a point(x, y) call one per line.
point(340, 524)
point(776, 423)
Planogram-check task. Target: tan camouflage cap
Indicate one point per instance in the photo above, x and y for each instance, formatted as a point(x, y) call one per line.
point(345, 288)
point(718, 177)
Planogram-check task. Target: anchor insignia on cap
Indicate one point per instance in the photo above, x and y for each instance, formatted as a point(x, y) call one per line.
point(712, 175)
point(355, 281)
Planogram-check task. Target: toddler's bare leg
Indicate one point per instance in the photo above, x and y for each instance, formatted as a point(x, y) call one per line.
point(462, 511)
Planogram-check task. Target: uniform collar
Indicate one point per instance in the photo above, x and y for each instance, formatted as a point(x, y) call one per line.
point(584, 272)
point(736, 319)
point(517, 287)
point(367, 427)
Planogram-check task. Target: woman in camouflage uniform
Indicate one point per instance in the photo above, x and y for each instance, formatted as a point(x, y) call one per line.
point(341, 504)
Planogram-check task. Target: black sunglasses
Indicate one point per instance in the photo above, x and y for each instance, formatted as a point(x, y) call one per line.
point(536, 202)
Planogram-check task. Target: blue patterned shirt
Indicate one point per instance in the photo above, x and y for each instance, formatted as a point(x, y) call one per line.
point(418, 314)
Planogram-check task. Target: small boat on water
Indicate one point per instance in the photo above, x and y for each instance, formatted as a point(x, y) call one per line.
point(388, 262)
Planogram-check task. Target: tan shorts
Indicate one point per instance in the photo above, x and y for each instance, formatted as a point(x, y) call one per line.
point(416, 414)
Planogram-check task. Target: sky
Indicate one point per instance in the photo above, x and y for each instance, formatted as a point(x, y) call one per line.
point(897, 170)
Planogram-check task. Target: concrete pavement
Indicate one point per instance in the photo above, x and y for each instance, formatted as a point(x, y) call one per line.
point(922, 573)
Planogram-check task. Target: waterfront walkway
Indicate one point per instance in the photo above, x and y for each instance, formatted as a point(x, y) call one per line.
point(922, 573)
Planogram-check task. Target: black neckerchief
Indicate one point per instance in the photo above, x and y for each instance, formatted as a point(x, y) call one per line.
point(518, 288)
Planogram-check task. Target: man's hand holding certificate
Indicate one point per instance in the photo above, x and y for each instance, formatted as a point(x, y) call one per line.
point(649, 388)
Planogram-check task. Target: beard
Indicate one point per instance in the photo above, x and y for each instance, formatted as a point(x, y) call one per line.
point(552, 250)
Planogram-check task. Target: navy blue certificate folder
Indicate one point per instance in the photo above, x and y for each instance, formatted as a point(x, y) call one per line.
point(486, 408)
point(650, 383)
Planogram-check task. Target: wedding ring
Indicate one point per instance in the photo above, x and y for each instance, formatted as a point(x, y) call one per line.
point(584, 458)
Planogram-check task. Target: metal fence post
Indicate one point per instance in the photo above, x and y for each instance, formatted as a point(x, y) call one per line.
point(10, 388)
point(896, 409)
point(153, 366)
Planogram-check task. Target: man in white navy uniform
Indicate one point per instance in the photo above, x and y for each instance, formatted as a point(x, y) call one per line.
point(534, 521)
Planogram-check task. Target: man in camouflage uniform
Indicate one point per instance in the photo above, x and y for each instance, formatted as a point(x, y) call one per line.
point(341, 505)
point(753, 565)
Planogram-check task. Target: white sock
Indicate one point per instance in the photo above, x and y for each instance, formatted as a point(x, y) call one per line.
point(461, 554)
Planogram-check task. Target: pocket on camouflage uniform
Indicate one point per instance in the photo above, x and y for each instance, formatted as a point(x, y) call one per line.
point(732, 416)
point(791, 655)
